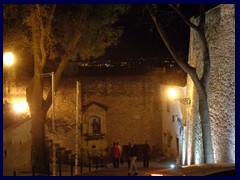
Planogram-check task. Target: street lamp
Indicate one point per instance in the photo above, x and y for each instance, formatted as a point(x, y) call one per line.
point(173, 94)
point(53, 119)
point(20, 106)
point(8, 59)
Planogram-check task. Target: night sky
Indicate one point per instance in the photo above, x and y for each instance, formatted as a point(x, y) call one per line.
point(141, 39)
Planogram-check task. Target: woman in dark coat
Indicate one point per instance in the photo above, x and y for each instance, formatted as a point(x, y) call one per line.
point(132, 157)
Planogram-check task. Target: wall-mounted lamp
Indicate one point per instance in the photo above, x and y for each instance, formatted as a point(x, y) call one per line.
point(185, 101)
point(173, 94)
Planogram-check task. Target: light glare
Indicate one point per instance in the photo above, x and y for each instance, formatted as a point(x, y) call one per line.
point(156, 175)
point(172, 93)
point(20, 106)
point(8, 58)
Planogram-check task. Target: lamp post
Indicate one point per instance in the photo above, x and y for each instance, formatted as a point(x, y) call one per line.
point(77, 128)
point(8, 60)
point(53, 120)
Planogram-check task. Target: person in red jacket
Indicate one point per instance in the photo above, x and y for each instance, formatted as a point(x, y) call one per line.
point(116, 155)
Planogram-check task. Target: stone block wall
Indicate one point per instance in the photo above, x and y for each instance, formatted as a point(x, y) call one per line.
point(17, 148)
point(220, 33)
point(133, 108)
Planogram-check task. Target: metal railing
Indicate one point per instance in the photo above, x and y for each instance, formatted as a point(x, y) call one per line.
point(96, 162)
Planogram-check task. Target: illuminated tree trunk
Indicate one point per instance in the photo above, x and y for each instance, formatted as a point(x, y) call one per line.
point(39, 156)
point(35, 93)
point(201, 83)
point(39, 106)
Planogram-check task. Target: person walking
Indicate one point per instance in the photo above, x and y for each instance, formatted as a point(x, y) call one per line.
point(146, 154)
point(132, 156)
point(112, 154)
point(121, 153)
point(116, 155)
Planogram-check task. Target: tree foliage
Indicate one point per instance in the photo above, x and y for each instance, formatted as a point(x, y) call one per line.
point(98, 30)
point(56, 32)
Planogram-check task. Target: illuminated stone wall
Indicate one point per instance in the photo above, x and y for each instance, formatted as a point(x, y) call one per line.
point(17, 148)
point(133, 108)
point(220, 32)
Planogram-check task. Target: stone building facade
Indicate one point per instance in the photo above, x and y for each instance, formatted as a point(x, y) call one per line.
point(17, 148)
point(220, 33)
point(127, 108)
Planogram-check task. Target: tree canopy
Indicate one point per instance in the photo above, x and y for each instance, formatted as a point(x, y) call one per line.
point(95, 23)
point(56, 32)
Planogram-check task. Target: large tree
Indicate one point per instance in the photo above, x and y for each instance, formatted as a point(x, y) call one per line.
point(200, 80)
point(53, 32)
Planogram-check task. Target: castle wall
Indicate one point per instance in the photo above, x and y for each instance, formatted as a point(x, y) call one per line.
point(220, 33)
point(17, 148)
point(133, 104)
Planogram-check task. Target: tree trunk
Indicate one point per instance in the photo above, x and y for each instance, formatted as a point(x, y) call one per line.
point(38, 106)
point(206, 128)
point(39, 156)
point(34, 97)
point(200, 84)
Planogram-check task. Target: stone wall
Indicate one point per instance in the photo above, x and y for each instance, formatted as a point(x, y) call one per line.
point(17, 148)
point(220, 33)
point(133, 104)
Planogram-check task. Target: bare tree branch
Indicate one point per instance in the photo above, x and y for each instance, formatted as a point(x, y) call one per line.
point(71, 44)
point(42, 34)
point(185, 66)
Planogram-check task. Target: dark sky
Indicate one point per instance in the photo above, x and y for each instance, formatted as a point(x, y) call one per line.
point(140, 38)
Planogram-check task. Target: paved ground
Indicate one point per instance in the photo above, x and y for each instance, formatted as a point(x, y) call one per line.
point(123, 170)
point(109, 170)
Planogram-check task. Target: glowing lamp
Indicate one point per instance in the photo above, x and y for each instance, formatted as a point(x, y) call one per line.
point(20, 106)
point(8, 58)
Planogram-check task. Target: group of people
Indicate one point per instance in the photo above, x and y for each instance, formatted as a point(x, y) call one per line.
point(132, 154)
